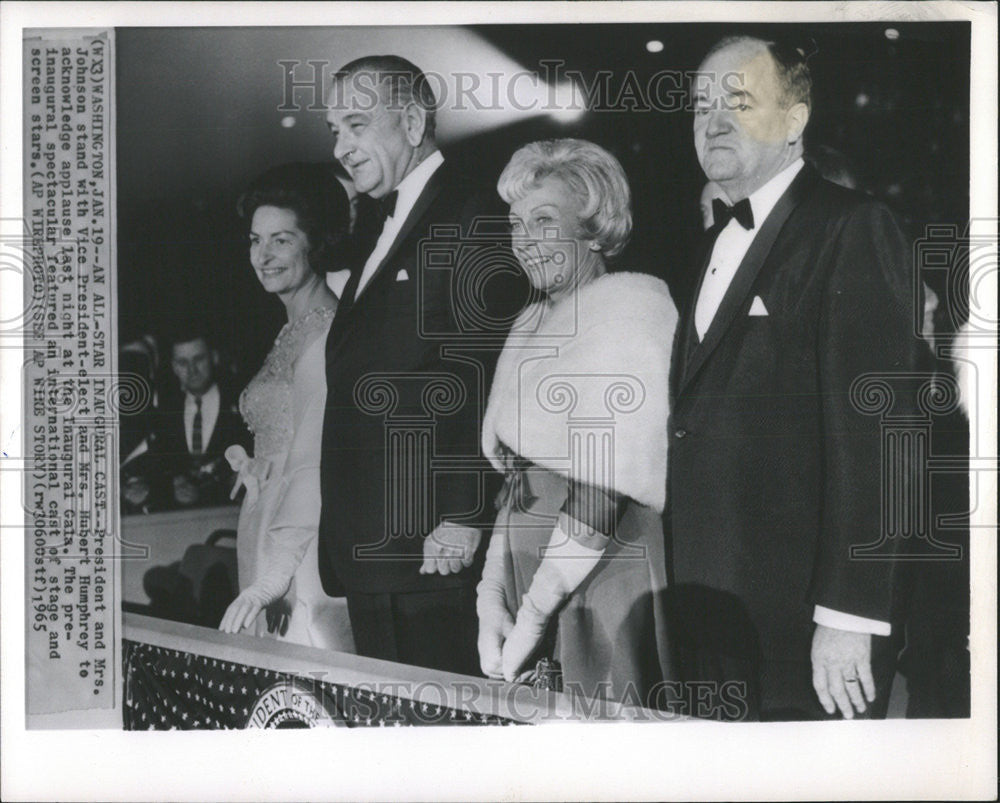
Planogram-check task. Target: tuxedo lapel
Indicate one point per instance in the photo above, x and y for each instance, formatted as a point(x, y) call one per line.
point(743, 281)
point(687, 337)
point(347, 311)
point(344, 308)
point(427, 196)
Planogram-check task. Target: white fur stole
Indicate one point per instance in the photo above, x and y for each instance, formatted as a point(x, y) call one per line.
point(581, 386)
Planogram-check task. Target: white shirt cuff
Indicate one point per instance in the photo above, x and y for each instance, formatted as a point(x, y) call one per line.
point(846, 621)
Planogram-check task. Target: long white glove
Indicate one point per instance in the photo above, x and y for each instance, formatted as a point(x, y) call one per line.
point(244, 609)
point(565, 565)
point(285, 544)
point(495, 619)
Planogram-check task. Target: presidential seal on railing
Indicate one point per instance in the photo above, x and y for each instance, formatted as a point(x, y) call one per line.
point(294, 704)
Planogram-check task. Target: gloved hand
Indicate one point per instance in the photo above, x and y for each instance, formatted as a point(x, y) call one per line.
point(251, 473)
point(251, 601)
point(566, 564)
point(523, 639)
point(495, 619)
point(244, 609)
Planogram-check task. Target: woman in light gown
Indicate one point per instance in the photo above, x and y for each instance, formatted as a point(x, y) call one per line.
point(298, 215)
point(577, 420)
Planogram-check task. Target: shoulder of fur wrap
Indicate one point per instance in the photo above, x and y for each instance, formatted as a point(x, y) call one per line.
point(603, 381)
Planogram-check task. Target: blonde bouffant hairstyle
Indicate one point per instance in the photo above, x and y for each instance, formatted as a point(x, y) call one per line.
point(590, 172)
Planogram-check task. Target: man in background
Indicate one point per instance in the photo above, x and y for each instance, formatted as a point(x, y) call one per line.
point(192, 429)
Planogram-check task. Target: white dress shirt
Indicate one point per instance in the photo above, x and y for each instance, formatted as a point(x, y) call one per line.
point(337, 281)
point(209, 415)
point(730, 248)
point(732, 245)
point(408, 191)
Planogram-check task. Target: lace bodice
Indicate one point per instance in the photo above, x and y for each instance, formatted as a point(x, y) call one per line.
point(266, 402)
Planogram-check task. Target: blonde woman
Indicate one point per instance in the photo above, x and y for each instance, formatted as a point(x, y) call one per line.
point(577, 421)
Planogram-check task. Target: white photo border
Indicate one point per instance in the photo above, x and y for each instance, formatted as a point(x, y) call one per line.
point(897, 759)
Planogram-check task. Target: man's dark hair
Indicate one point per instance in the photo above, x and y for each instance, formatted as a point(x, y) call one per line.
point(187, 332)
point(406, 83)
point(789, 62)
point(318, 200)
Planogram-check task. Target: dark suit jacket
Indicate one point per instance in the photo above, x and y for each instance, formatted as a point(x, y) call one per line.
point(170, 456)
point(774, 473)
point(409, 365)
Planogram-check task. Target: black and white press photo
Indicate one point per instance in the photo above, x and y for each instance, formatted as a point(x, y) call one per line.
point(588, 370)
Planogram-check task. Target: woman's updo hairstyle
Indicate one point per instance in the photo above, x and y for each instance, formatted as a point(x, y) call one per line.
point(593, 174)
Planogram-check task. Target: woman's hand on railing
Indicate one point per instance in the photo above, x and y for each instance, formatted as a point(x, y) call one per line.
point(243, 610)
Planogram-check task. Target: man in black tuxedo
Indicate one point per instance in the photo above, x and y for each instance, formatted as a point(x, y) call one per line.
point(192, 430)
point(775, 472)
point(410, 356)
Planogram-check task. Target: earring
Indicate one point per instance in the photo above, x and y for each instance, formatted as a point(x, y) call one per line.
point(595, 246)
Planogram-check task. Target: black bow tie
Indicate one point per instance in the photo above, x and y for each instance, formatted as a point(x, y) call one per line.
point(387, 205)
point(722, 213)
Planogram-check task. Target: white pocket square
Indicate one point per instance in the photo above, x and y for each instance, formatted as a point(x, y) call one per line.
point(757, 309)
point(402, 276)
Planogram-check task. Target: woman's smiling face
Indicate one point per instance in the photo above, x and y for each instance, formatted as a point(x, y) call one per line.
point(546, 235)
point(279, 250)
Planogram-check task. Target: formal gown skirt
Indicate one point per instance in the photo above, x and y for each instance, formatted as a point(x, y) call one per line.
point(305, 615)
point(610, 636)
